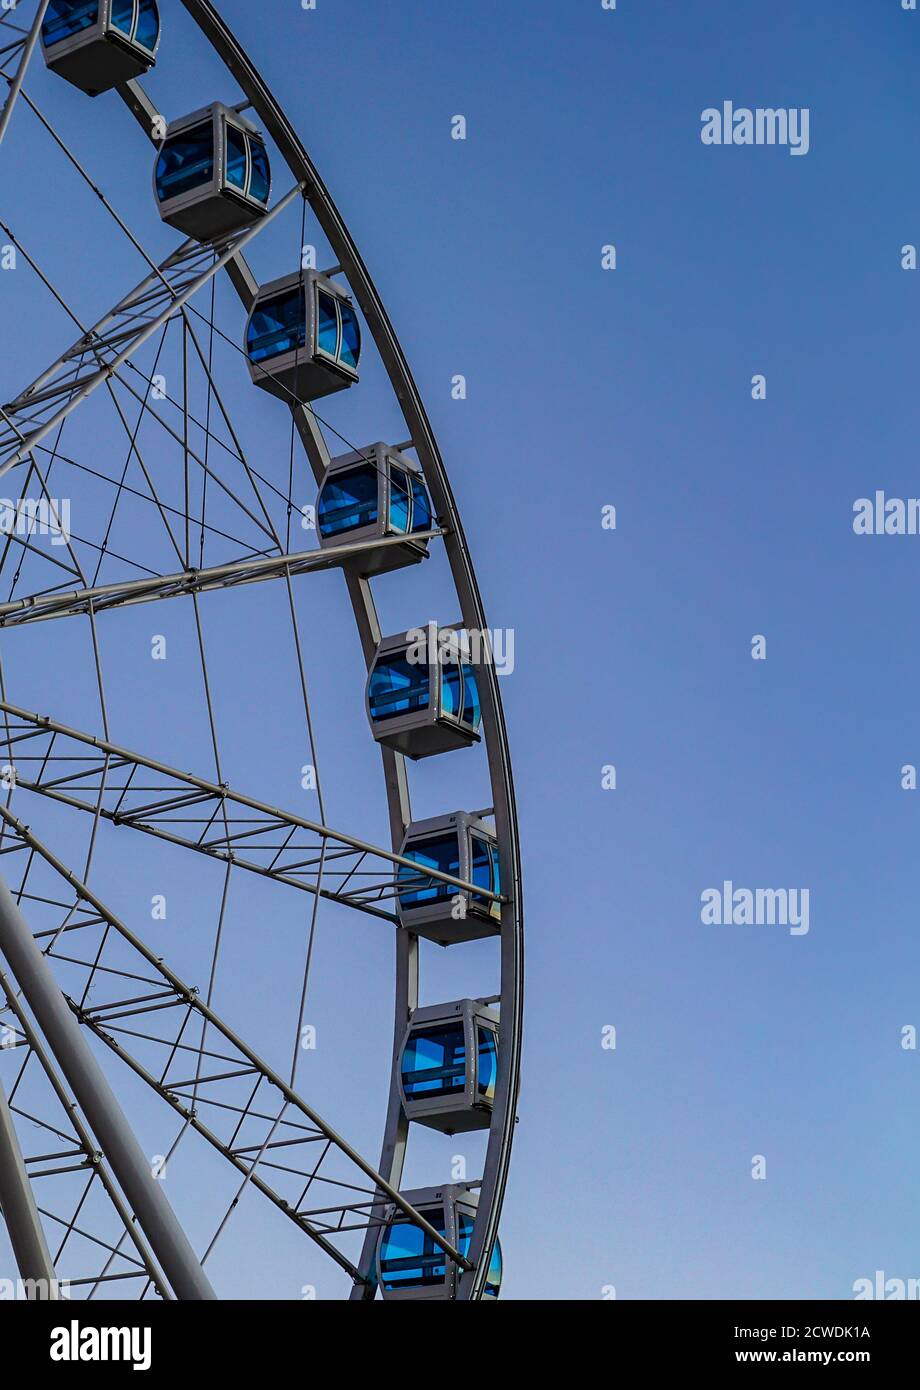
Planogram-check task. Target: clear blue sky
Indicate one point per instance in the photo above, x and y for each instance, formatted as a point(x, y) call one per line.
point(632, 1167)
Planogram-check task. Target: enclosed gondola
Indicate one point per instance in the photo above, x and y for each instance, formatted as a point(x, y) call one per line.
point(464, 847)
point(410, 1263)
point(303, 339)
point(375, 494)
point(98, 44)
point(448, 1066)
point(212, 174)
point(422, 693)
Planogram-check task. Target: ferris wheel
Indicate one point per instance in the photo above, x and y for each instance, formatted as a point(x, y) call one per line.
point(178, 425)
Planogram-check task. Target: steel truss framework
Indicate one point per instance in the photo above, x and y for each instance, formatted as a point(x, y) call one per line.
point(122, 994)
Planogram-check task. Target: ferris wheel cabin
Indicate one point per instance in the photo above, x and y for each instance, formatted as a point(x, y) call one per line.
point(411, 1265)
point(303, 340)
point(212, 174)
point(448, 1066)
point(375, 494)
point(97, 44)
point(464, 847)
point(422, 694)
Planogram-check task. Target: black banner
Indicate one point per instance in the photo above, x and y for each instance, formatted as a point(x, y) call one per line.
point(67, 1340)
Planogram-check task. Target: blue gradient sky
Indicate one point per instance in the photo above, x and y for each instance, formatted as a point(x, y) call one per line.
point(633, 1167)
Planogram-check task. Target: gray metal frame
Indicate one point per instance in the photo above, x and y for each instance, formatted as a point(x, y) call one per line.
point(97, 1101)
point(298, 1123)
point(26, 48)
point(53, 760)
point(20, 1211)
point(470, 1272)
point(48, 401)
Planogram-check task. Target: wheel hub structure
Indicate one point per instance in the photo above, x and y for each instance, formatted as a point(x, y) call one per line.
point(210, 1071)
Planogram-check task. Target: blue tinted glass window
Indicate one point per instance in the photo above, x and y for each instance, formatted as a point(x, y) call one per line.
point(186, 161)
point(488, 1063)
point(421, 507)
point(434, 1062)
point(441, 854)
point(277, 326)
point(236, 157)
point(327, 324)
point(398, 686)
point(485, 873)
point(482, 866)
point(451, 689)
point(494, 1277)
point(64, 18)
point(409, 1257)
point(123, 16)
point(399, 499)
point(464, 1232)
point(148, 24)
point(348, 500)
point(351, 337)
point(464, 1236)
point(472, 710)
point(260, 179)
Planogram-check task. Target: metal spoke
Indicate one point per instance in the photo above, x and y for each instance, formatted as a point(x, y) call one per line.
point(28, 48)
point(178, 792)
point(76, 390)
point(180, 997)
